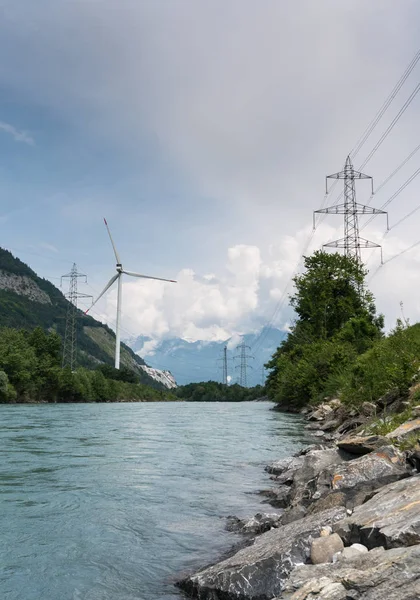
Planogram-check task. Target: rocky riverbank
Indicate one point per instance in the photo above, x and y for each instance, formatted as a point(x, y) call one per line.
point(349, 525)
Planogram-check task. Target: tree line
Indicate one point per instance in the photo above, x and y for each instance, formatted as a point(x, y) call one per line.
point(30, 371)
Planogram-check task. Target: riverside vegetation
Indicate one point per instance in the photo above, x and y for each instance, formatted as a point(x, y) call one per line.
point(347, 519)
point(30, 371)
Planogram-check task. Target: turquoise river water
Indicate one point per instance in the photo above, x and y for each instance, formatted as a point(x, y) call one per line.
point(115, 501)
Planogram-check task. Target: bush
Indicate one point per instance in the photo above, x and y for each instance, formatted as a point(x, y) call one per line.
point(390, 364)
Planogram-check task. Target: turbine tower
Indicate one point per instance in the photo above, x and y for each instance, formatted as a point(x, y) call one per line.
point(118, 278)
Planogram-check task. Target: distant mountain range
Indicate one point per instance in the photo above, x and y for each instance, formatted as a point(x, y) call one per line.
point(201, 361)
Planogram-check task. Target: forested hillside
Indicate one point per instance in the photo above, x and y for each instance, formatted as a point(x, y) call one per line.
point(28, 301)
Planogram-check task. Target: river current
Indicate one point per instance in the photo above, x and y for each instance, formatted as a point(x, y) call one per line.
point(114, 501)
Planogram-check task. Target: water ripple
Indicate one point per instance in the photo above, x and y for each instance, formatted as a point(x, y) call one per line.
point(110, 502)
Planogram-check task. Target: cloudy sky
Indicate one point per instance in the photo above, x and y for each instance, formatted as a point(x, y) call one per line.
point(203, 131)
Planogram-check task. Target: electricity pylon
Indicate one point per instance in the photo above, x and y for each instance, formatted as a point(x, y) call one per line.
point(244, 365)
point(70, 336)
point(351, 242)
point(224, 360)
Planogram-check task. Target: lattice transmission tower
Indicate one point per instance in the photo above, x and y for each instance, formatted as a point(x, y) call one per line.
point(351, 242)
point(224, 360)
point(70, 336)
point(243, 366)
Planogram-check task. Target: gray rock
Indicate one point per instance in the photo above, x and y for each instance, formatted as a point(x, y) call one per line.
point(279, 497)
point(368, 409)
point(259, 571)
point(259, 523)
point(406, 429)
point(416, 411)
point(291, 463)
point(313, 426)
point(372, 470)
point(293, 513)
point(305, 479)
point(351, 424)
point(377, 575)
point(321, 413)
point(324, 548)
point(360, 445)
point(390, 519)
point(331, 425)
point(388, 398)
point(352, 551)
point(330, 501)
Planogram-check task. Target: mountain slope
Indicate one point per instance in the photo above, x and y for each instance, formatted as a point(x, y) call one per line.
point(28, 301)
point(192, 362)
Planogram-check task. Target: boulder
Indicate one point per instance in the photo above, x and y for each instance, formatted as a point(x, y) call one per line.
point(351, 424)
point(376, 575)
point(259, 571)
point(375, 469)
point(293, 513)
point(291, 463)
point(407, 428)
point(368, 409)
point(304, 482)
point(352, 551)
point(388, 398)
point(259, 523)
point(330, 501)
point(362, 444)
point(324, 548)
point(390, 519)
point(313, 426)
point(279, 496)
point(330, 424)
point(416, 411)
point(321, 413)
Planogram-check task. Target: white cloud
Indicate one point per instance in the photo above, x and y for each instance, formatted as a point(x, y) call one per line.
point(234, 302)
point(245, 295)
point(17, 134)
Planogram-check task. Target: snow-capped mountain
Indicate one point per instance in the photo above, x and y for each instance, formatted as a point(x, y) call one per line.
point(201, 361)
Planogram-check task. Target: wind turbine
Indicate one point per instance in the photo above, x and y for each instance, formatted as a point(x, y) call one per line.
point(118, 277)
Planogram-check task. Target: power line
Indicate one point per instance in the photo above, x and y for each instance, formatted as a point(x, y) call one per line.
point(393, 258)
point(372, 125)
point(368, 131)
point(394, 195)
point(405, 161)
point(391, 126)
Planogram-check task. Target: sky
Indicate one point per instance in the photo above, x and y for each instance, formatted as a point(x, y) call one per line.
point(203, 132)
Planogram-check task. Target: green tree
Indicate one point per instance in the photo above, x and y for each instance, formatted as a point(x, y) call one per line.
point(335, 321)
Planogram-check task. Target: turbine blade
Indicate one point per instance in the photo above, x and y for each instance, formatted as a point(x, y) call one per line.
point(106, 288)
point(132, 274)
point(112, 242)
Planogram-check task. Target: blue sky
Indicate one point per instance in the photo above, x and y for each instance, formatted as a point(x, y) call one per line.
point(203, 132)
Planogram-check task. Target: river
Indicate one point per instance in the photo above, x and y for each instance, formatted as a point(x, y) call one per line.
point(114, 501)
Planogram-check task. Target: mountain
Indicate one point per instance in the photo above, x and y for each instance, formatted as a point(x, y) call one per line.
point(200, 361)
point(28, 301)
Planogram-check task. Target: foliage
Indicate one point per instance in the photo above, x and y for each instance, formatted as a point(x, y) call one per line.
point(30, 371)
point(336, 321)
point(212, 391)
point(390, 364)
